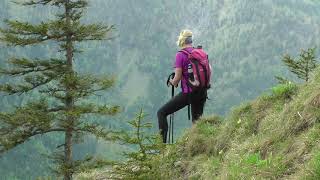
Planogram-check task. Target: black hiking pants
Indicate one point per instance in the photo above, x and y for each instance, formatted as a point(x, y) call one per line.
point(197, 100)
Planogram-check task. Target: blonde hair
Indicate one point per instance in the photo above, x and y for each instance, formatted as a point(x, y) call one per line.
point(184, 34)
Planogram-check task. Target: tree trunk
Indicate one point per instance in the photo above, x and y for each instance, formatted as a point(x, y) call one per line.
point(69, 101)
point(68, 154)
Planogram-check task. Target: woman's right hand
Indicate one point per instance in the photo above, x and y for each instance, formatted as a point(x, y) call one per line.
point(172, 83)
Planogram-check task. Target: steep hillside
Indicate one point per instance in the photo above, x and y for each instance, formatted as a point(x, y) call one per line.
point(276, 136)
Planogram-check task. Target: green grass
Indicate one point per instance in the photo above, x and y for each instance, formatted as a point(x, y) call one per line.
point(276, 136)
point(314, 171)
point(284, 90)
point(268, 138)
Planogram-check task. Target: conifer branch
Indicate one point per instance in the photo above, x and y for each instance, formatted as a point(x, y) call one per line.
point(99, 131)
point(9, 142)
point(41, 2)
point(25, 122)
point(14, 89)
point(92, 32)
point(96, 109)
point(302, 66)
point(73, 4)
point(84, 85)
point(36, 73)
point(23, 66)
point(24, 33)
point(31, 83)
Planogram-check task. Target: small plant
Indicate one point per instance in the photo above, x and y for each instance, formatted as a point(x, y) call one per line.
point(285, 91)
point(256, 160)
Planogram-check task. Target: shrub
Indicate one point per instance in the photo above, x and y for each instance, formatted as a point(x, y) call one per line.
point(285, 91)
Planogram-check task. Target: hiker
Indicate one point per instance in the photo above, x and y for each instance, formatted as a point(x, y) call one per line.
point(188, 95)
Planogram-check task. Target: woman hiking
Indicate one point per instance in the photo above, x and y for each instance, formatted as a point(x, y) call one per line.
point(195, 97)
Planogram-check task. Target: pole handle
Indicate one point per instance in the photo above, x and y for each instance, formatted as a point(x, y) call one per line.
point(171, 76)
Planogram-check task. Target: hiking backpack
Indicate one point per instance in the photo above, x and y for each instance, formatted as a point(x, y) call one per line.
point(201, 69)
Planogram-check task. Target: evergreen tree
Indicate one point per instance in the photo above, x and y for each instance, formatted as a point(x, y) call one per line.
point(63, 105)
point(302, 66)
point(139, 162)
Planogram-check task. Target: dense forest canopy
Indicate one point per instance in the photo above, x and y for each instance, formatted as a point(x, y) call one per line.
point(245, 41)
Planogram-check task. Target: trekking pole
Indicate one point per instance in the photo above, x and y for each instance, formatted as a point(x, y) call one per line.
point(172, 115)
point(170, 120)
point(171, 76)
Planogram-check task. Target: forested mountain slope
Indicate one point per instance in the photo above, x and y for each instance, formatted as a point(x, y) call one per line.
point(245, 40)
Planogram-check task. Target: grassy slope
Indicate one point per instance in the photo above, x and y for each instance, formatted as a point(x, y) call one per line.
point(274, 137)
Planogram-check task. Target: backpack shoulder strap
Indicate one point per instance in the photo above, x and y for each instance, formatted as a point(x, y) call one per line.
point(184, 52)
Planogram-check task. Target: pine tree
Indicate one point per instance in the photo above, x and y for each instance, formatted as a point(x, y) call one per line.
point(304, 65)
point(139, 162)
point(64, 94)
